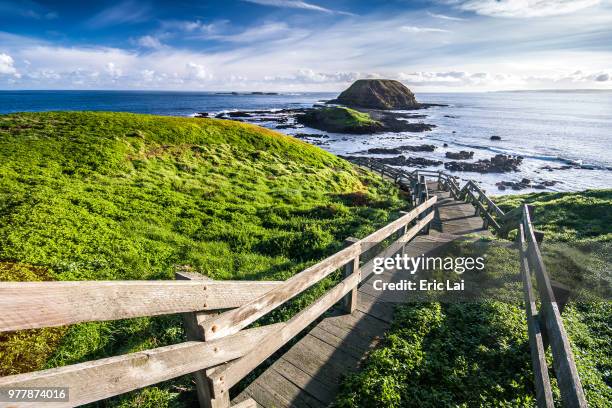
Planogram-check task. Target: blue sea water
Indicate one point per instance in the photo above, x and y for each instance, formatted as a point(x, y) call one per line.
point(547, 128)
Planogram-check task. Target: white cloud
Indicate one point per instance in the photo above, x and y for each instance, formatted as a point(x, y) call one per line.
point(128, 11)
point(7, 66)
point(264, 32)
point(196, 26)
point(310, 76)
point(523, 8)
point(420, 30)
point(445, 17)
point(296, 4)
point(197, 71)
point(148, 75)
point(480, 54)
point(112, 70)
point(148, 41)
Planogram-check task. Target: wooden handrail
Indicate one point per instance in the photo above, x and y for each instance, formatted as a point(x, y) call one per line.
point(47, 304)
point(223, 379)
point(563, 358)
point(548, 320)
point(488, 212)
point(233, 320)
point(99, 379)
point(543, 389)
point(29, 305)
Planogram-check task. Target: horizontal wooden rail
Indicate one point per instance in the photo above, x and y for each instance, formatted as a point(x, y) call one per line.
point(234, 320)
point(482, 210)
point(233, 372)
point(368, 268)
point(489, 202)
point(95, 380)
point(29, 305)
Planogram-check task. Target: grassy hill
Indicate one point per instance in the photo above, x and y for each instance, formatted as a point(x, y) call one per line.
point(123, 196)
point(476, 354)
point(340, 119)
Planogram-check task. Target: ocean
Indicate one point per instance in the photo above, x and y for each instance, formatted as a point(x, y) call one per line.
point(549, 129)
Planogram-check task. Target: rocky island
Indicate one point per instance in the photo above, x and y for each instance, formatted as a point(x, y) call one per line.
point(366, 108)
point(377, 94)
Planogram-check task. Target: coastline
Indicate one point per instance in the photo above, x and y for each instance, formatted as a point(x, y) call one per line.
point(560, 145)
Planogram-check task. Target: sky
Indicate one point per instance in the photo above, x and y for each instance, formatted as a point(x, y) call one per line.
point(309, 45)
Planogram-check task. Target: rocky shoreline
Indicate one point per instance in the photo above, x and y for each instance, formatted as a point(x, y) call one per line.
point(386, 110)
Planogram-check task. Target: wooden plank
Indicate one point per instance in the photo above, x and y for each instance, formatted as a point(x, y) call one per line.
point(304, 381)
point(544, 395)
point(375, 307)
point(234, 320)
point(353, 346)
point(95, 380)
point(266, 397)
point(224, 379)
point(244, 396)
point(563, 358)
point(322, 361)
point(279, 385)
point(29, 305)
point(248, 403)
point(361, 323)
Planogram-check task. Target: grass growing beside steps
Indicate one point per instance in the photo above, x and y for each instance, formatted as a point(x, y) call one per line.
point(477, 354)
point(103, 196)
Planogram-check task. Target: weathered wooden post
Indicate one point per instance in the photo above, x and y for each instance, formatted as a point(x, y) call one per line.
point(423, 197)
point(192, 322)
point(349, 302)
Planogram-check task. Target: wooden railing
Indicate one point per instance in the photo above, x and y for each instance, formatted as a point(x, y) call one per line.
point(220, 350)
point(544, 327)
point(470, 192)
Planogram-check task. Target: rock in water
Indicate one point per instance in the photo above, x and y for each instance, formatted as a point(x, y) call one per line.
point(377, 94)
point(499, 163)
point(462, 155)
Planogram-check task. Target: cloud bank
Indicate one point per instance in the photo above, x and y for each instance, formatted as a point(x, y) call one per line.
point(427, 50)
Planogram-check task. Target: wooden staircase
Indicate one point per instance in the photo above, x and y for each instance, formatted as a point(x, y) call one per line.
point(309, 373)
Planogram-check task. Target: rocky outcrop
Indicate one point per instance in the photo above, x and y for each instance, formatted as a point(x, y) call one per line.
point(346, 120)
point(340, 120)
point(525, 183)
point(377, 94)
point(400, 161)
point(462, 155)
point(500, 163)
point(401, 149)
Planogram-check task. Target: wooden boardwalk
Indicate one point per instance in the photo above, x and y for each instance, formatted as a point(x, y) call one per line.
point(309, 373)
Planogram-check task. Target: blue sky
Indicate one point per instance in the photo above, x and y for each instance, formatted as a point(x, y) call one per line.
point(294, 45)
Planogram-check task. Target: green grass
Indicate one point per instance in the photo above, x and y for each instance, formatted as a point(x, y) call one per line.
point(568, 216)
point(340, 119)
point(97, 196)
point(476, 354)
point(348, 117)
